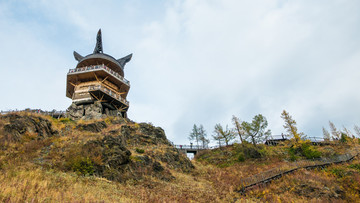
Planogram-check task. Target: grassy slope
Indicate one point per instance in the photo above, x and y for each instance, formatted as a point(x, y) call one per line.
point(36, 170)
point(336, 183)
point(215, 178)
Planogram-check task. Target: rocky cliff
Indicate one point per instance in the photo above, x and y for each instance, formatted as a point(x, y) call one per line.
point(113, 148)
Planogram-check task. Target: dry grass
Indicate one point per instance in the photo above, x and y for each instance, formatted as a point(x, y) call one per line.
point(24, 180)
point(30, 183)
point(36, 185)
point(337, 183)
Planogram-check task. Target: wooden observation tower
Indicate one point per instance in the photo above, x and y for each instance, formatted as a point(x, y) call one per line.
point(97, 85)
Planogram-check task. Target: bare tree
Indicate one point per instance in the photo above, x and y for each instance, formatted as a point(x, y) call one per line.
point(238, 127)
point(221, 134)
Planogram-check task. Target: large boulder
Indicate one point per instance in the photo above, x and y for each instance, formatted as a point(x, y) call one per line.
point(85, 111)
point(17, 126)
point(144, 134)
point(93, 111)
point(92, 127)
point(175, 160)
point(75, 111)
point(90, 111)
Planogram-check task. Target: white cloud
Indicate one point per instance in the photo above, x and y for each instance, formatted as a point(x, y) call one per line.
point(199, 61)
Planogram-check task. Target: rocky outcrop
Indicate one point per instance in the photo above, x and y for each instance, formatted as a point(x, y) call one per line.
point(144, 134)
point(110, 158)
point(17, 126)
point(92, 127)
point(90, 111)
point(175, 160)
point(117, 149)
point(85, 111)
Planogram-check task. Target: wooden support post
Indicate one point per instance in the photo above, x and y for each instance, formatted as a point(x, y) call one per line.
point(72, 84)
point(104, 79)
point(94, 96)
point(102, 97)
point(97, 78)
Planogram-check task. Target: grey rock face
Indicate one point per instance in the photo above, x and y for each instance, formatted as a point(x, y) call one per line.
point(75, 112)
point(20, 125)
point(90, 111)
point(93, 111)
point(92, 127)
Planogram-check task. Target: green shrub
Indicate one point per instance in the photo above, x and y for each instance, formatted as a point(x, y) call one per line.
point(344, 138)
point(241, 157)
point(224, 165)
point(140, 151)
point(82, 166)
point(355, 166)
point(304, 150)
point(338, 172)
point(66, 120)
point(309, 152)
point(251, 151)
point(292, 154)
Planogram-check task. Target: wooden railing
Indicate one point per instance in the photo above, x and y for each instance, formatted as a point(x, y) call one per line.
point(267, 176)
point(54, 113)
point(97, 67)
point(109, 92)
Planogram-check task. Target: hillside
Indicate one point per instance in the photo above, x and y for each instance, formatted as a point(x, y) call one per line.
point(117, 160)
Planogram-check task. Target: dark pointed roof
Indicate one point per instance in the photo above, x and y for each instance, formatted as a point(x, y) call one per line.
point(98, 57)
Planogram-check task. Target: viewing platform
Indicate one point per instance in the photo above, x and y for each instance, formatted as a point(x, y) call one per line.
point(190, 148)
point(102, 67)
point(109, 92)
point(97, 85)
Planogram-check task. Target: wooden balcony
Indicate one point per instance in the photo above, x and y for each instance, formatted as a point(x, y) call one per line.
point(97, 68)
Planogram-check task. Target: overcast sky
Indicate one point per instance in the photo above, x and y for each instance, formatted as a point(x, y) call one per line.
point(194, 61)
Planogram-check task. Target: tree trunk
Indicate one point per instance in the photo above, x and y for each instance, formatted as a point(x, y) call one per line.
point(237, 128)
point(253, 140)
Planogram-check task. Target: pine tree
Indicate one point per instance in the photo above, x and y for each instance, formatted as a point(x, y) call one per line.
point(357, 130)
point(203, 136)
point(238, 127)
point(256, 130)
point(226, 135)
point(195, 134)
point(334, 132)
point(326, 134)
point(290, 127)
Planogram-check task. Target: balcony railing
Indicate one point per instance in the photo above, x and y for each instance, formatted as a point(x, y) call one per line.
point(97, 67)
point(109, 92)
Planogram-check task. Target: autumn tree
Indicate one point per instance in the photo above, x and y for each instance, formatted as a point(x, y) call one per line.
point(238, 127)
point(256, 130)
point(357, 130)
point(198, 134)
point(290, 126)
point(326, 134)
point(347, 132)
point(195, 134)
point(223, 135)
point(203, 136)
point(334, 132)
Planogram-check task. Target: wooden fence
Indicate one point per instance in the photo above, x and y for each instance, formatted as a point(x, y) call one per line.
point(54, 113)
point(269, 175)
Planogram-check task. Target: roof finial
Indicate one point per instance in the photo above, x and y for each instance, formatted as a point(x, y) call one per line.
point(98, 48)
point(124, 60)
